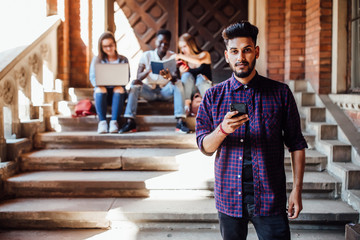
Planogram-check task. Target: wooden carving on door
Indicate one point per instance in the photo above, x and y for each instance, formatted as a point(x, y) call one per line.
point(146, 17)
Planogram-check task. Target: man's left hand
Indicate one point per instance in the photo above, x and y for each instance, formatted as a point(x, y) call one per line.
point(295, 204)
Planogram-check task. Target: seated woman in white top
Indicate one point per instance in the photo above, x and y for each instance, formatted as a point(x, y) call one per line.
point(113, 95)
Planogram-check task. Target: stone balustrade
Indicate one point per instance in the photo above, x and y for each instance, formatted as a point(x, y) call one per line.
point(350, 104)
point(28, 85)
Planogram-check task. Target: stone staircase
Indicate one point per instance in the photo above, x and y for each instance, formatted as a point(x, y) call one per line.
point(343, 159)
point(155, 184)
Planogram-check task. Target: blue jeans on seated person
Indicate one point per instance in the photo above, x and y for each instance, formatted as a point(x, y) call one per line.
point(168, 92)
point(202, 84)
point(116, 100)
point(267, 228)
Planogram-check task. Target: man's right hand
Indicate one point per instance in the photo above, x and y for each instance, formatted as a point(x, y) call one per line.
point(230, 124)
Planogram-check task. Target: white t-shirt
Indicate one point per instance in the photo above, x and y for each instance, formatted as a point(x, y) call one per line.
point(153, 79)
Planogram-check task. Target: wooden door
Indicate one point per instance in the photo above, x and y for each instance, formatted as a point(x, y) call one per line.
point(205, 19)
point(146, 17)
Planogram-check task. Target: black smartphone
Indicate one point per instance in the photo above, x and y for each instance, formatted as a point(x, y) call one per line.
point(240, 107)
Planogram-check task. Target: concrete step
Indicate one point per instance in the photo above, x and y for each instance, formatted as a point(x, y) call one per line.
point(317, 185)
point(134, 233)
point(86, 140)
point(298, 85)
point(136, 159)
point(160, 159)
point(77, 94)
point(348, 172)
point(144, 123)
point(322, 130)
point(303, 123)
point(144, 107)
point(310, 139)
point(51, 213)
point(305, 99)
point(315, 161)
point(143, 183)
point(90, 123)
point(313, 114)
point(354, 199)
point(336, 150)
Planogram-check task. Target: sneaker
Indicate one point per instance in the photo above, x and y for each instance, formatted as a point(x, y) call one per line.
point(102, 127)
point(181, 127)
point(113, 126)
point(129, 126)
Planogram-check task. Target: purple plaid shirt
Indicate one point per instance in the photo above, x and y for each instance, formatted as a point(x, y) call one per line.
point(274, 120)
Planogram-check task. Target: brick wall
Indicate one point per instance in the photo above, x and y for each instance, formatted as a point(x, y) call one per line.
point(73, 57)
point(78, 50)
point(63, 49)
point(276, 39)
point(318, 44)
point(295, 19)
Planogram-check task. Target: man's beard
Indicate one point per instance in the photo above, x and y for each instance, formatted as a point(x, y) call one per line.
point(246, 73)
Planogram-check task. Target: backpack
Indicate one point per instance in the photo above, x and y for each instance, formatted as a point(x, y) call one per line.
point(84, 108)
point(195, 103)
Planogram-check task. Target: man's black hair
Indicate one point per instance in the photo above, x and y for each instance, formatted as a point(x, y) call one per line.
point(240, 29)
point(164, 32)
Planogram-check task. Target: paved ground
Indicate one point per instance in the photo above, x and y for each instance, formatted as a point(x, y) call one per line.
point(132, 234)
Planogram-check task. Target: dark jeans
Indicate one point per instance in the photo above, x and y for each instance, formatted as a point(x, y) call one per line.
point(267, 228)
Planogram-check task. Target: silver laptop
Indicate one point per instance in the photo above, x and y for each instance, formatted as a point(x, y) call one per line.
point(112, 74)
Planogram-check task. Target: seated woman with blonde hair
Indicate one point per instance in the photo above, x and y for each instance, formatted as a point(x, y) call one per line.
point(195, 68)
point(112, 95)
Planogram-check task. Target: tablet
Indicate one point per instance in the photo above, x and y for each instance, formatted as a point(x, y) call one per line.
point(111, 74)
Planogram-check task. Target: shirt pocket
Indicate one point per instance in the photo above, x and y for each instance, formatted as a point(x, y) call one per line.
point(271, 125)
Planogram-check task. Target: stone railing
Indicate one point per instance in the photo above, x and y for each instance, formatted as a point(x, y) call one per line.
point(350, 104)
point(29, 90)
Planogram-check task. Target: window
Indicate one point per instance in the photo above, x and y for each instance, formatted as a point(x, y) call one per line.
point(355, 46)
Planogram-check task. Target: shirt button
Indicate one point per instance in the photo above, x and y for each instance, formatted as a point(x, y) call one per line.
point(241, 140)
point(239, 176)
point(239, 193)
point(240, 158)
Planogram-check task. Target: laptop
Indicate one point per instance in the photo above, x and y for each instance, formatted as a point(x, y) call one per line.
point(112, 74)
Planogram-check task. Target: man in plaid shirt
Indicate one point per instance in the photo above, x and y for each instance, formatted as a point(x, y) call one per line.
point(250, 182)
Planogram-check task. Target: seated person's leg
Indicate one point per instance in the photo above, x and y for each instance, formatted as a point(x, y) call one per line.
point(189, 86)
point(131, 108)
point(100, 96)
point(203, 84)
point(118, 99)
point(148, 93)
point(177, 92)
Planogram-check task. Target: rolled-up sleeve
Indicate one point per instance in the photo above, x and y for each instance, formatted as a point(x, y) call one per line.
point(293, 136)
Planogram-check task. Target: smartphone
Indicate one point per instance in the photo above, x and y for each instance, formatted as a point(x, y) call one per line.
point(240, 107)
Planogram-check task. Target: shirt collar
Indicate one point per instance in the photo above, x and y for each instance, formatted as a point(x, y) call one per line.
point(254, 83)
